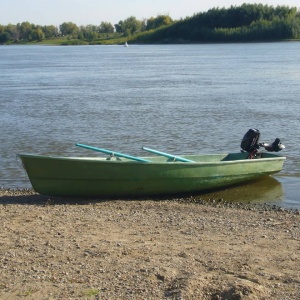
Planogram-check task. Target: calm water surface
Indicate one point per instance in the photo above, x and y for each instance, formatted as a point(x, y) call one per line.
point(174, 98)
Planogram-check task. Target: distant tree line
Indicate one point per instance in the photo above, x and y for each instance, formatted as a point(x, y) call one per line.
point(248, 22)
point(27, 32)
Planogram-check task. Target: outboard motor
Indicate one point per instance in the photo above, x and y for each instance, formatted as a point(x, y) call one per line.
point(250, 143)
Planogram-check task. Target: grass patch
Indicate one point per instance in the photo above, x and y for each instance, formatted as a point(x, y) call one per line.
point(91, 292)
point(28, 292)
point(68, 41)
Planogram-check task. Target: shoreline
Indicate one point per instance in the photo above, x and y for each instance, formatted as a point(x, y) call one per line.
point(54, 248)
point(67, 43)
point(29, 195)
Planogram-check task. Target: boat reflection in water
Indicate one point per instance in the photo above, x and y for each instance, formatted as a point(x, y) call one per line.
point(265, 190)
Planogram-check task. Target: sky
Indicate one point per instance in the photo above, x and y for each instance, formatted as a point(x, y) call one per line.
point(85, 12)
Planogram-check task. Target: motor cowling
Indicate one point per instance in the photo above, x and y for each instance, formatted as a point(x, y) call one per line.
point(250, 141)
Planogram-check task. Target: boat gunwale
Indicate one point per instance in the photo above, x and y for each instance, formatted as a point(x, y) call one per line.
point(194, 163)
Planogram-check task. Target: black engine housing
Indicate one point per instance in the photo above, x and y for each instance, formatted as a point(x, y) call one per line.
point(250, 140)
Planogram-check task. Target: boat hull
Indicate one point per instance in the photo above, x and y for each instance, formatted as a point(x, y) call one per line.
point(97, 177)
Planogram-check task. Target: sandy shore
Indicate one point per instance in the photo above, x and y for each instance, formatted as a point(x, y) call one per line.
point(156, 249)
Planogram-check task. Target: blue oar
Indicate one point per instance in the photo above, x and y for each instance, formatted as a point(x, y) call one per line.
point(113, 153)
point(176, 158)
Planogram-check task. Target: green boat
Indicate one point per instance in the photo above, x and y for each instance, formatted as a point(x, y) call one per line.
point(125, 176)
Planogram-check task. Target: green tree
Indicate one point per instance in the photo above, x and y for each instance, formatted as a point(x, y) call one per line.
point(13, 32)
point(4, 36)
point(50, 31)
point(129, 26)
point(68, 28)
point(89, 33)
point(25, 30)
point(38, 34)
point(159, 21)
point(106, 27)
point(119, 27)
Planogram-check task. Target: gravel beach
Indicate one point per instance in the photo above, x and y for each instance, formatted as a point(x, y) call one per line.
point(54, 248)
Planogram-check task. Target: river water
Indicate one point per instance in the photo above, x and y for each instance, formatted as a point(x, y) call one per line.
point(181, 99)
